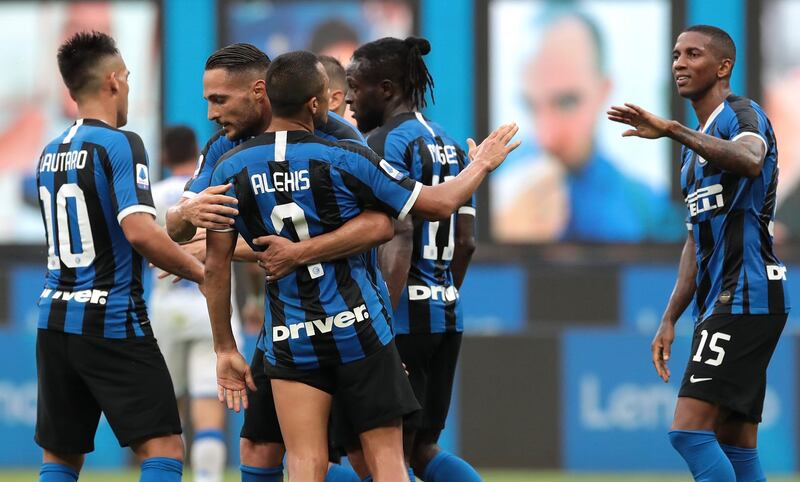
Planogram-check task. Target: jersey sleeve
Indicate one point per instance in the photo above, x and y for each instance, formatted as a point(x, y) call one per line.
point(377, 184)
point(130, 176)
point(393, 149)
point(221, 175)
point(469, 207)
point(744, 119)
point(206, 163)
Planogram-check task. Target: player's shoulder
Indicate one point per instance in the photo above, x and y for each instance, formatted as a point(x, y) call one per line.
point(399, 130)
point(337, 127)
point(742, 107)
point(218, 142)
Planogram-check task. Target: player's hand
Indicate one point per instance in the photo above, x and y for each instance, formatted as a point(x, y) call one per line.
point(645, 124)
point(208, 209)
point(196, 248)
point(494, 149)
point(280, 257)
point(233, 379)
point(661, 348)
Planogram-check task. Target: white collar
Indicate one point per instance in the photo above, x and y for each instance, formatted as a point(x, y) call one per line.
point(712, 117)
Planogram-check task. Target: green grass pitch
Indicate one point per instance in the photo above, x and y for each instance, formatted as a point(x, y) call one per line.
point(488, 476)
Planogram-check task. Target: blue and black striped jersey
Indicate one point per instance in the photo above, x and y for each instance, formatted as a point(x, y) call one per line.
point(298, 186)
point(421, 150)
point(731, 218)
point(336, 129)
point(89, 179)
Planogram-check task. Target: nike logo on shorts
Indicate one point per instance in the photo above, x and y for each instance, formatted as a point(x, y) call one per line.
point(698, 380)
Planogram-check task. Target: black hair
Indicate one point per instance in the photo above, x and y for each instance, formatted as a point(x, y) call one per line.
point(720, 41)
point(335, 70)
point(179, 145)
point(237, 58)
point(332, 32)
point(79, 55)
point(401, 62)
point(292, 79)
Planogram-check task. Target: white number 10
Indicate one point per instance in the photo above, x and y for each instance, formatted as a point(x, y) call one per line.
point(65, 254)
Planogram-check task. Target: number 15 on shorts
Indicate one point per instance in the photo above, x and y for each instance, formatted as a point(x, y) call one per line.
point(714, 346)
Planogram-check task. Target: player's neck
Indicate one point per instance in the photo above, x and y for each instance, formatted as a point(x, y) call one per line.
point(290, 124)
point(397, 109)
point(705, 105)
point(97, 109)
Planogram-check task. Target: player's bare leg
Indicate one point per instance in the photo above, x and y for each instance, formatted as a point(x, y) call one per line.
point(739, 438)
point(383, 452)
point(694, 414)
point(693, 436)
point(53, 462)
point(303, 413)
point(169, 446)
point(358, 462)
point(261, 455)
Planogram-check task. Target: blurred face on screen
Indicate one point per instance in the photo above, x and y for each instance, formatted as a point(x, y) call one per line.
point(565, 91)
point(237, 101)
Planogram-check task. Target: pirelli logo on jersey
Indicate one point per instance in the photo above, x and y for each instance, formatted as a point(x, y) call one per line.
point(95, 297)
point(343, 319)
point(705, 199)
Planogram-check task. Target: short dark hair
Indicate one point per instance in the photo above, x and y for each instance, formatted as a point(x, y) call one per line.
point(292, 79)
point(179, 145)
point(720, 41)
point(335, 70)
point(239, 57)
point(332, 32)
point(401, 62)
point(79, 55)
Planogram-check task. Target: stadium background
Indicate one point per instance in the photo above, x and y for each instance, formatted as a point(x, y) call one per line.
point(555, 372)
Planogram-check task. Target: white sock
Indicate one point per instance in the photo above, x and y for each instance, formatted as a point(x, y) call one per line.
point(208, 456)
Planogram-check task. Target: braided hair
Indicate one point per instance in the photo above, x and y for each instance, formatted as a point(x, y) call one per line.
point(401, 62)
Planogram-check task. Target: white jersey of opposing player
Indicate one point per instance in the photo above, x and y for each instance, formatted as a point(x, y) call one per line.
point(179, 315)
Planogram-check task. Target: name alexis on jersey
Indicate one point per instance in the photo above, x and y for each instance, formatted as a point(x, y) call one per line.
point(280, 181)
point(63, 161)
point(311, 328)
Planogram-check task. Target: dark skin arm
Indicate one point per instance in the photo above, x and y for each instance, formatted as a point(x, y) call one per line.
point(233, 371)
point(150, 240)
point(744, 156)
point(394, 258)
point(682, 295)
point(357, 235)
point(465, 247)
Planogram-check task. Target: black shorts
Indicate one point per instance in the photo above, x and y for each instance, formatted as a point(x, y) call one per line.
point(82, 376)
point(730, 368)
point(260, 419)
point(370, 392)
point(431, 360)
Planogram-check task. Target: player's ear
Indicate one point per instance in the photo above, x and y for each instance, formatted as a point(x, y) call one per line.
point(725, 68)
point(337, 98)
point(313, 105)
point(387, 88)
point(113, 82)
point(259, 89)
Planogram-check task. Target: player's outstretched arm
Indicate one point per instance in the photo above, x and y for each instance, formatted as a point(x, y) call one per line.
point(440, 201)
point(233, 371)
point(681, 296)
point(207, 210)
point(357, 235)
point(150, 240)
point(744, 156)
point(394, 258)
point(465, 247)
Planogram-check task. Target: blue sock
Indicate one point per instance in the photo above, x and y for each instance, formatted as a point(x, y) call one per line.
point(703, 455)
point(411, 475)
point(260, 474)
point(446, 467)
point(161, 469)
point(745, 463)
point(340, 473)
point(57, 473)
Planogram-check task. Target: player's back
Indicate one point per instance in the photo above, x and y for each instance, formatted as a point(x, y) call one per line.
point(90, 178)
point(732, 217)
point(422, 150)
point(298, 185)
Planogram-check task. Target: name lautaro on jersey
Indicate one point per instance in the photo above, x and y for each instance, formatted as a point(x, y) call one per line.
point(280, 181)
point(63, 161)
point(343, 319)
